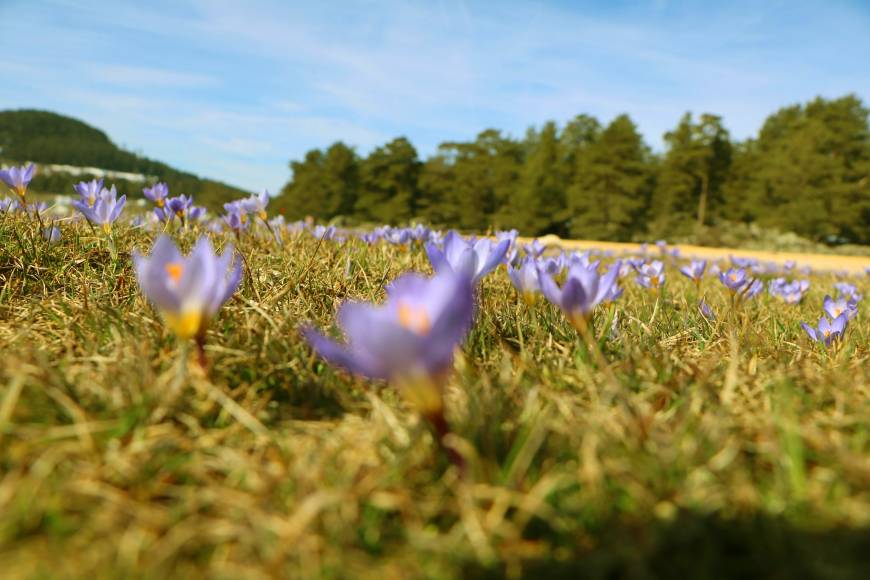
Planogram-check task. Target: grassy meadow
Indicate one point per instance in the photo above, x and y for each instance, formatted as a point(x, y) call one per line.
point(672, 446)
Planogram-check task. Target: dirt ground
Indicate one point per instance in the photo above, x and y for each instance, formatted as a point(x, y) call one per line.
point(830, 262)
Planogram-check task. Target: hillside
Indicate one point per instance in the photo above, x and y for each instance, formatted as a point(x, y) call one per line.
point(49, 138)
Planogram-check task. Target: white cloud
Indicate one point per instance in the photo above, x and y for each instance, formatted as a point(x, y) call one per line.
point(138, 76)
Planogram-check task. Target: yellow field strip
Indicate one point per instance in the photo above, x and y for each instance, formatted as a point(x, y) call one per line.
point(832, 262)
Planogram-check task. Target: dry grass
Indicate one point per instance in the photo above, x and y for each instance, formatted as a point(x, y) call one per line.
point(704, 449)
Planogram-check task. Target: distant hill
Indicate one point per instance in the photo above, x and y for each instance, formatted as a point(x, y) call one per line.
point(77, 151)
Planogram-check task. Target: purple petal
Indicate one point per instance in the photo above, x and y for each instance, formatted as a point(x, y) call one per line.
point(436, 257)
point(336, 354)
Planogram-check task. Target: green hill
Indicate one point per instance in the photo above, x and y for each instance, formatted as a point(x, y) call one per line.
point(49, 138)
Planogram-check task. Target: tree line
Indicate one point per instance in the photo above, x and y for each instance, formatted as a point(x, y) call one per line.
point(807, 171)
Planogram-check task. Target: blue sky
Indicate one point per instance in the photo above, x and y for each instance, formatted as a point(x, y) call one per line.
point(233, 90)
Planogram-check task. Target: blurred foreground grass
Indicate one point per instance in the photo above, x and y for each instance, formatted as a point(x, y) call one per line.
point(704, 450)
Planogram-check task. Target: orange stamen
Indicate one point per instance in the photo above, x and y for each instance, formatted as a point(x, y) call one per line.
point(415, 320)
point(174, 270)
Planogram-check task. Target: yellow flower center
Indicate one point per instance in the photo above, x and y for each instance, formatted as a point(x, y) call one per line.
point(733, 277)
point(174, 271)
point(185, 325)
point(414, 319)
point(422, 392)
point(92, 199)
point(837, 312)
point(159, 202)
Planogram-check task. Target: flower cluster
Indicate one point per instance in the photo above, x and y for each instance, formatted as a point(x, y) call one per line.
point(99, 205)
point(237, 212)
point(740, 284)
point(790, 292)
point(832, 325)
point(474, 258)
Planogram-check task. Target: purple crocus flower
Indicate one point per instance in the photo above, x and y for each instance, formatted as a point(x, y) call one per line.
point(846, 289)
point(629, 266)
point(157, 193)
point(162, 214)
point(237, 216)
point(695, 270)
point(511, 236)
point(370, 237)
point(474, 259)
point(743, 262)
point(581, 258)
point(651, 275)
point(398, 236)
point(841, 306)
point(324, 232)
point(106, 209)
point(187, 290)
point(18, 178)
point(7, 204)
point(552, 265)
point(34, 208)
point(51, 234)
point(409, 340)
point(196, 213)
point(828, 331)
point(734, 279)
point(791, 292)
point(418, 232)
point(176, 207)
point(705, 310)
point(583, 290)
point(256, 204)
point(235, 221)
point(89, 191)
point(751, 290)
point(526, 280)
point(535, 248)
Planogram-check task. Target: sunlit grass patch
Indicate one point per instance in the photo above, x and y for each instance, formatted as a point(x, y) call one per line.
point(664, 443)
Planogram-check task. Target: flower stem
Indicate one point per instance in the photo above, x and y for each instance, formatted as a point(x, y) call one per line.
point(441, 429)
point(201, 357)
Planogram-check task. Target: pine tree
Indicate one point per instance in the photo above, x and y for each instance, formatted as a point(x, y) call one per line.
point(388, 183)
point(574, 143)
point(539, 202)
point(436, 184)
point(323, 186)
point(302, 196)
point(341, 180)
point(484, 172)
point(693, 172)
point(607, 199)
